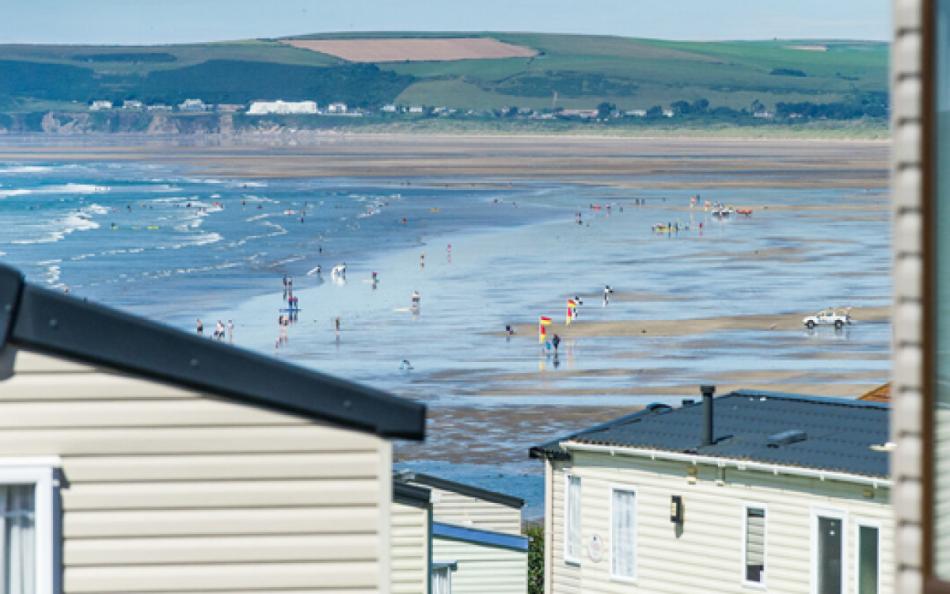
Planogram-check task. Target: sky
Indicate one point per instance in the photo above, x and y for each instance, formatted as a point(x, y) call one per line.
point(175, 21)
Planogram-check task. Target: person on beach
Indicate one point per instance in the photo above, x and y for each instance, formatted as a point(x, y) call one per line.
point(336, 323)
point(200, 327)
point(555, 342)
point(230, 331)
point(219, 330)
point(607, 292)
point(416, 300)
point(422, 261)
point(406, 365)
point(509, 331)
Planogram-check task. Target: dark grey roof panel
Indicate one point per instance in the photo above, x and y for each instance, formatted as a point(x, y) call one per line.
point(471, 491)
point(52, 322)
point(839, 432)
point(411, 494)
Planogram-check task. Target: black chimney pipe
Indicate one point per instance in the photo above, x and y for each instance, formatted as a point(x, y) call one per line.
point(708, 436)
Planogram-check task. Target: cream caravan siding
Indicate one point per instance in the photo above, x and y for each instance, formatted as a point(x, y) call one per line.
point(463, 510)
point(410, 549)
point(167, 490)
point(706, 556)
point(483, 569)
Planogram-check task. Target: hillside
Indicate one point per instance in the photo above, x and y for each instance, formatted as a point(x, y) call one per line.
point(552, 71)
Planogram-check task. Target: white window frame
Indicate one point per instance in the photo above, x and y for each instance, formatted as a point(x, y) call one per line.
point(448, 576)
point(743, 521)
point(626, 489)
point(835, 514)
point(865, 523)
point(40, 472)
point(567, 510)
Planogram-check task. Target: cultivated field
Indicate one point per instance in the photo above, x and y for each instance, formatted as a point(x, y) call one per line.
point(414, 50)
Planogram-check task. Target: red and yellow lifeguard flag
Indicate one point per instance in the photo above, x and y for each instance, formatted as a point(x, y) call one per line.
point(571, 312)
point(542, 330)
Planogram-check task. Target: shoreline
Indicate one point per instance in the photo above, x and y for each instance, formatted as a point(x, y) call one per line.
point(630, 162)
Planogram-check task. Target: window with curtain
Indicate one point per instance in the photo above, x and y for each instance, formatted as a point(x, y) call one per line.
point(572, 520)
point(17, 510)
point(868, 548)
point(622, 531)
point(442, 580)
point(755, 545)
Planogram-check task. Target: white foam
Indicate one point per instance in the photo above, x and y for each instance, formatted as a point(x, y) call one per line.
point(57, 189)
point(77, 221)
point(25, 169)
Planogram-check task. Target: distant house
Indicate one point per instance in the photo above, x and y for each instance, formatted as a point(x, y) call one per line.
point(752, 491)
point(132, 105)
point(668, 113)
point(389, 108)
point(636, 113)
point(282, 107)
point(193, 105)
point(763, 115)
point(229, 107)
point(137, 457)
point(477, 545)
point(584, 114)
point(417, 109)
point(158, 107)
point(337, 108)
point(99, 105)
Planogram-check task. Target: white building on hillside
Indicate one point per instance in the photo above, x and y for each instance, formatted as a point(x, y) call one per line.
point(193, 105)
point(389, 108)
point(100, 105)
point(748, 492)
point(337, 108)
point(132, 105)
point(282, 107)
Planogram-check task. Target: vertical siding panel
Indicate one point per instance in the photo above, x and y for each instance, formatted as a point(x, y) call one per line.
point(907, 397)
point(169, 490)
point(706, 555)
point(483, 569)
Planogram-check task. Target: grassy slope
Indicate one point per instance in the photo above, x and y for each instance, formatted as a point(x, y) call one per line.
point(726, 73)
point(584, 70)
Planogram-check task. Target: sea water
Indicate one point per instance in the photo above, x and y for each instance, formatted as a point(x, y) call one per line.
point(175, 245)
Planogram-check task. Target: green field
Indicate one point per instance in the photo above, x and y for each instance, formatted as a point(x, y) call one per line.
point(570, 71)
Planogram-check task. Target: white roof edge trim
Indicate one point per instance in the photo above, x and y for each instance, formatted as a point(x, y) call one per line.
point(723, 462)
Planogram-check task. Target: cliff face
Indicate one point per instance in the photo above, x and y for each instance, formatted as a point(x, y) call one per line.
point(77, 123)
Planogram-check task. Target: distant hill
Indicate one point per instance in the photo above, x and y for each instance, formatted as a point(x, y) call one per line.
point(553, 71)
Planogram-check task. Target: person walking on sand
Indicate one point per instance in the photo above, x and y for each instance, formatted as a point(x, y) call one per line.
point(555, 342)
point(219, 330)
point(230, 331)
point(607, 292)
point(200, 327)
point(416, 300)
point(336, 323)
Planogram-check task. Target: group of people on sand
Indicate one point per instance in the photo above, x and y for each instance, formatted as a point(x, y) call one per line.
point(221, 331)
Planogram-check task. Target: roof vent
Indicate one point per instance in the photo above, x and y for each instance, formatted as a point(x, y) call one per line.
point(786, 438)
point(659, 407)
point(688, 401)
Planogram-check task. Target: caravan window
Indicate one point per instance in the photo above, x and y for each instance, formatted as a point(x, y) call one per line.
point(572, 520)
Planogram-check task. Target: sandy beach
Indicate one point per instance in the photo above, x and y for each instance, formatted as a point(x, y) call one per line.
point(496, 219)
point(702, 163)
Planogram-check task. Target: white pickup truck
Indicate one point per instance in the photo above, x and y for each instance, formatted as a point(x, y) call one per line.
point(828, 317)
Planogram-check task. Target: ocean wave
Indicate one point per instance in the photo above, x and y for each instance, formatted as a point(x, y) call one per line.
point(96, 209)
point(26, 169)
point(252, 198)
point(249, 184)
point(81, 220)
point(258, 217)
point(277, 232)
point(70, 188)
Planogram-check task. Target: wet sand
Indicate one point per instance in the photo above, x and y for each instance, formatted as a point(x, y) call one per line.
point(623, 162)
point(684, 327)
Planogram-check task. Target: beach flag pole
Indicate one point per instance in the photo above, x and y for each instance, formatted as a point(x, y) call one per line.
point(543, 321)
